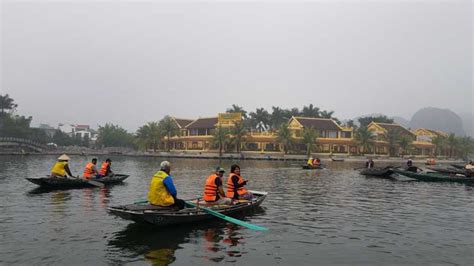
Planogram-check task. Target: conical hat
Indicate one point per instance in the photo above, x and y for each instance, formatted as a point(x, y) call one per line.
point(64, 157)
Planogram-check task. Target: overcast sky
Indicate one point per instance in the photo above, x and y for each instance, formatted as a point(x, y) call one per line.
point(133, 62)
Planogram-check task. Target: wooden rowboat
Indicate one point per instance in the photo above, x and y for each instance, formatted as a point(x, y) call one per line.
point(376, 171)
point(435, 177)
point(164, 216)
point(62, 182)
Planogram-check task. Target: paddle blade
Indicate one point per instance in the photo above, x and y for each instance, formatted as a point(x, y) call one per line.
point(230, 219)
point(95, 183)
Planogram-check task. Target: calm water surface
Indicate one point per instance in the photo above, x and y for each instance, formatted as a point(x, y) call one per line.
point(314, 217)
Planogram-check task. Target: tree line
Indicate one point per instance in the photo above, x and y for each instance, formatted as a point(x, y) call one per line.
point(157, 135)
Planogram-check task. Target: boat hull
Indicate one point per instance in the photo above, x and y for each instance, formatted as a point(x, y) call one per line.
point(379, 172)
point(435, 177)
point(167, 216)
point(307, 167)
point(60, 182)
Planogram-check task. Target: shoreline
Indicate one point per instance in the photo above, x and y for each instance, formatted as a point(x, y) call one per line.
point(233, 156)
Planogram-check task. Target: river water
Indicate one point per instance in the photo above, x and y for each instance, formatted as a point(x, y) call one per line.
point(323, 217)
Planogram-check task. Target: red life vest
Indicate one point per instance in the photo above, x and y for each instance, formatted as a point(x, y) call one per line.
point(230, 186)
point(210, 189)
point(89, 171)
point(103, 168)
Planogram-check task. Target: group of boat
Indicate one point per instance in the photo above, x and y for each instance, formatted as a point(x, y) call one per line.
point(453, 173)
point(196, 210)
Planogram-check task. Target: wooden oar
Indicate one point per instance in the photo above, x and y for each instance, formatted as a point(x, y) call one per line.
point(92, 182)
point(229, 219)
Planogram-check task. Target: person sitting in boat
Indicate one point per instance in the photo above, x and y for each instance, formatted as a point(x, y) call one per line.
point(316, 163)
point(369, 163)
point(470, 166)
point(235, 185)
point(310, 161)
point(105, 168)
point(410, 167)
point(61, 167)
point(162, 191)
point(91, 169)
point(213, 191)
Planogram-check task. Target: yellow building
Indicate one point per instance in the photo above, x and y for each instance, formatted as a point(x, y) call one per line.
point(424, 138)
point(382, 144)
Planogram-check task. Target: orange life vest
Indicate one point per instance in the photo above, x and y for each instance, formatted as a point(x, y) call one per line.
point(230, 186)
point(103, 168)
point(89, 171)
point(210, 189)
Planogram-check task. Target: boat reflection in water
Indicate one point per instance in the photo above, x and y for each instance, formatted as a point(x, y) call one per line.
point(159, 244)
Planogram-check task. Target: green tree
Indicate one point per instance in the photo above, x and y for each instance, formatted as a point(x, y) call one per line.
point(365, 138)
point(365, 121)
point(309, 139)
point(278, 117)
point(465, 146)
point(62, 139)
point(285, 138)
point(112, 135)
point(237, 109)
point(221, 138)
point(149, 135)
point(15, 126)
point(405, 144)
point(440, 144)
point(451, 141)
point(260, 119)
point(169, 129)
point(393, 138)
point(7, 103)
point(239, 133)
point(310, 111)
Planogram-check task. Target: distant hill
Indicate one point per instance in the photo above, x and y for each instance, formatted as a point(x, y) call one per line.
point(438, 119)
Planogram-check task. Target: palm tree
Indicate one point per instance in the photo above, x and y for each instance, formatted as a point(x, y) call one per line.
point(440, 144)
point(277, 117)
point(168, 128)
point(285, 138)
point(405, 143)
point(451, 141)
point(239, 132)
point(365, 138)
point(261, 119)
point(237, 109)
point(149, 134)
point(220, 138)
point(465, 146)
point(392, 137)
point(310, 111)
point(309, 139)
point(327, 114)
point(7, 103)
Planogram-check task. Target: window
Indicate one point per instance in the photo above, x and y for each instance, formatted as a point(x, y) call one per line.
point(332, 134)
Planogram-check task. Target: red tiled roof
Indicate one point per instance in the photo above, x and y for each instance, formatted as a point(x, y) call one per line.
point(203, 123)
point(182, 123)
point(318, 123)
point(82, 126)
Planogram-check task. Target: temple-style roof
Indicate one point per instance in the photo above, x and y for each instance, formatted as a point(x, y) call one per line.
point(182, 123)
point(423, 131)
point(396, 127)
point(318, 123)
point(203, 123)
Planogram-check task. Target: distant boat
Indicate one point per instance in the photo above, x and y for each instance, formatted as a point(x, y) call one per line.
point(337, 159)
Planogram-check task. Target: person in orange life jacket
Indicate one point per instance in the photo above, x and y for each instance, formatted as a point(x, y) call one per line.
point(235, 185)
point(91, 170)
point(316, 162)
point(213, 191)
point(105, 169)
point(162, 191)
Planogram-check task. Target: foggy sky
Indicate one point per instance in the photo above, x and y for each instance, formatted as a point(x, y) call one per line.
point(133, 62)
